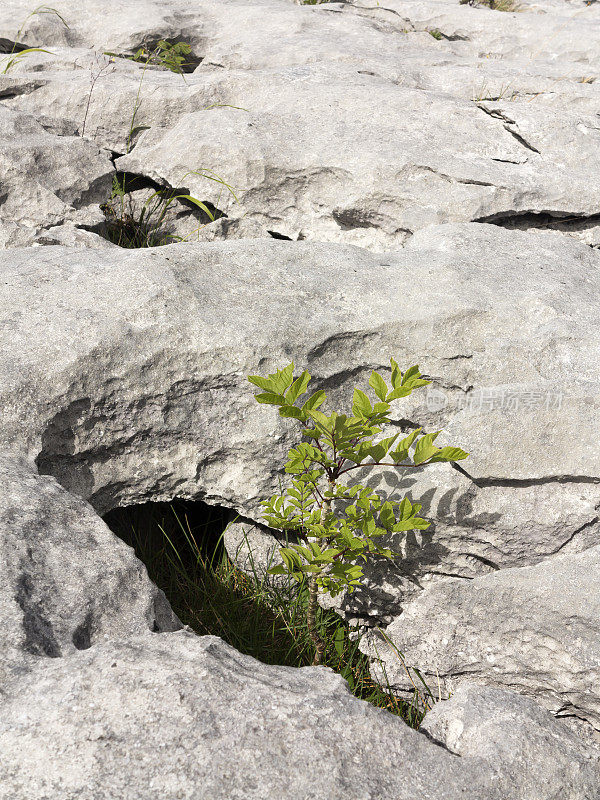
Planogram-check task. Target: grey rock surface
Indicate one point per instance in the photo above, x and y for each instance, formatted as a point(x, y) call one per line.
point(143, 374)
point(531, 753)
point(531, 629)
point(176, 715)
point(47, 179)
point(66, 582)
point(402, 128)
point(254, 548)
point(359, 127)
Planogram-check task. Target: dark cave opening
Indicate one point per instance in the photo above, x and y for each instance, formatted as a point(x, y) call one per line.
point(182, 546)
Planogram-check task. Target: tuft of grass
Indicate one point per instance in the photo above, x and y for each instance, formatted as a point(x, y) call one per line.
point(436, 34)
point(495, 5)
point(182, 547)
point(503, 93)
point(130, 226)
point(174, 56)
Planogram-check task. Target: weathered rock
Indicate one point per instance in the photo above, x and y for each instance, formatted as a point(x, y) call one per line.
point(531, 753)
point(70, 235)
point(177, 715)
point(66, 582)
point(531, 629)
point(124, 376)
point(47, 180)
point(254, 548)
point(496, 120)
point(138, 390)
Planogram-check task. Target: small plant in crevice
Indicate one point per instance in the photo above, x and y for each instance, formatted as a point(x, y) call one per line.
point(97, 70)
point(182, 547)
point(133, 222)
point(20, 51)
point(147, 221)
point(504, 92)
point(173, 56)
point(436, 34)
point(495, 5)
point(335, 524)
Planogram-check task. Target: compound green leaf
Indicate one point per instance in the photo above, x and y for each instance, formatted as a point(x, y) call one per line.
point(381, 408)
point(283, 378)
point(297, 388)
point(401, 452)
point(405, 508)
point(449, 454)
point(291, 411)
point(410, 373)
point(386, 515)
point(400, 391)
point(314, 401)
point(270, 398)
point(321, 419)
point(411, 524)
point(262, 383)
point(425, 449)
point(378, 385)
point(361, 405)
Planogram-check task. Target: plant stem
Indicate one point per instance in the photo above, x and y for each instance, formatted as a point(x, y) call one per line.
point(311, 618)
point(313, 593)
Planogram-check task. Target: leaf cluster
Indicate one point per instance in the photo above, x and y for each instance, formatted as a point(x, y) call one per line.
point(337, 525)
point(170, 55)
point(131, 226)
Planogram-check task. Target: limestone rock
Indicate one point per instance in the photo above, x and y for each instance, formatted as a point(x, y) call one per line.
point(137, 391)
point(492, 118)
point(531, 629)
point(532, 754)
point(47, 180)
point(66, 582)
point(179, 715)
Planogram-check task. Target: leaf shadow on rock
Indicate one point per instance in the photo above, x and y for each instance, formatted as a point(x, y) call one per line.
point(421, 552)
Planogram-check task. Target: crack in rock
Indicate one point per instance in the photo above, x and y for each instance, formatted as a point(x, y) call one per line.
point(547, 219)
point(525, 482)
point(509, 126)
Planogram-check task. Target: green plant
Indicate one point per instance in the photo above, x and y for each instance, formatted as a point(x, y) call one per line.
point(127, 224)
point(173, 56)
point(18, 53)
point(495, 5)
point(336, 525)
point(170, 55)
point(436, 34)
point(131, 225)
point(96, 71)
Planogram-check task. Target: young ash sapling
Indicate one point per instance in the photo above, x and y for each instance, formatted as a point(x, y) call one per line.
point(336, 525)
